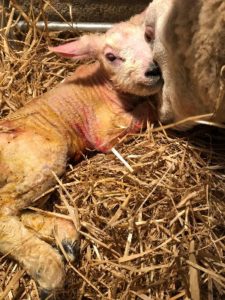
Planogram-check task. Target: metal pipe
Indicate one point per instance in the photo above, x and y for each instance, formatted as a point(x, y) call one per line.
point(62, 26)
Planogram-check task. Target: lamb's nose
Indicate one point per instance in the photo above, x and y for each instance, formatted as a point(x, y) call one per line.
point(153, 70)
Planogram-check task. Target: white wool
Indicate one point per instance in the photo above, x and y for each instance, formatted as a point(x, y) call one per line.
point(189, 47)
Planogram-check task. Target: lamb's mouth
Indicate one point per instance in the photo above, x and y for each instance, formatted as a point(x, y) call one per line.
point(154, 83)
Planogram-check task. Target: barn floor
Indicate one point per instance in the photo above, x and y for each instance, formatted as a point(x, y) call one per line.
point(156, 233)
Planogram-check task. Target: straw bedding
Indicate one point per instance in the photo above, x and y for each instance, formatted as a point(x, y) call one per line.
point(156, 233)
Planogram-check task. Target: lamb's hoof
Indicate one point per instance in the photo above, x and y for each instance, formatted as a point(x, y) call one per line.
point(44, 294)
point(72, 249)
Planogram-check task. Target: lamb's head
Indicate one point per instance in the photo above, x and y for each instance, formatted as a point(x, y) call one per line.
point(124, 55)
point(128, 60)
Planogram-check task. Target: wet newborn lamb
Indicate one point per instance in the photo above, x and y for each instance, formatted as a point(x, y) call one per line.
point(91, 109)
point(189, 48)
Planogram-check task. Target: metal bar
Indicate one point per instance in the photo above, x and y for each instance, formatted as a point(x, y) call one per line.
point(62, 26)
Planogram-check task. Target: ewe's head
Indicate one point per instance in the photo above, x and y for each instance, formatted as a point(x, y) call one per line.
point(123, 52)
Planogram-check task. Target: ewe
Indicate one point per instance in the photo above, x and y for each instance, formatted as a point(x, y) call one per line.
point(189, 46)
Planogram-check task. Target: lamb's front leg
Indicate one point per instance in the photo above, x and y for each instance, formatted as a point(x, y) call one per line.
point(27, 159)
point(38, 258)
point(51, 228)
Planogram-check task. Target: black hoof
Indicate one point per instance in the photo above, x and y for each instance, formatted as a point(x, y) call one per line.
point(44, 294)
point(72, 250)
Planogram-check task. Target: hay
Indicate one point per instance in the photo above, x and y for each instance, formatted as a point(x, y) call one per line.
point(155, 233)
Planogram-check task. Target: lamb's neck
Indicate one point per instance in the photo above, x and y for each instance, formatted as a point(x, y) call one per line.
point(85, 100)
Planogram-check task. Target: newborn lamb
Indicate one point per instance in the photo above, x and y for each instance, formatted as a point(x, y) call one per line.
point(92, 109)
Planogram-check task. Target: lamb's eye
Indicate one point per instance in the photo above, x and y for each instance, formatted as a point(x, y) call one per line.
point(110, 56)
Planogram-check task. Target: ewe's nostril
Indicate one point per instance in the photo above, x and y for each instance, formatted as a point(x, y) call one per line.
point(153, 70)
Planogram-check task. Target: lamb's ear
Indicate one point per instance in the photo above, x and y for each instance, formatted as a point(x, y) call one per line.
point(87, 46)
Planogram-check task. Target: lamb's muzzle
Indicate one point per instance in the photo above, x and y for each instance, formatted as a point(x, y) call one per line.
point(154, 76)
point(153, 71)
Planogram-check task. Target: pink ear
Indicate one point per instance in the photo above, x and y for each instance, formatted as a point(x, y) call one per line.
point(85, 47)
